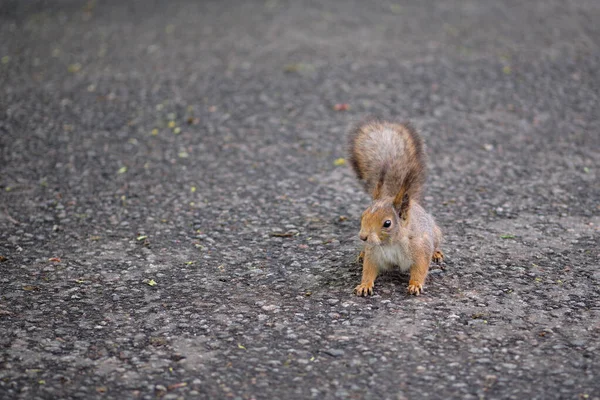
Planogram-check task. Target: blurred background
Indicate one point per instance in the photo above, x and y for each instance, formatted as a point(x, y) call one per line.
point(198, 92)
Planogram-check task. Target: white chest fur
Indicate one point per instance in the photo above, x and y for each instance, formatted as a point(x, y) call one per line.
point(392, 256)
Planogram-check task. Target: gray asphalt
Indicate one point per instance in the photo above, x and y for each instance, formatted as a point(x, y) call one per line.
point(175, 221)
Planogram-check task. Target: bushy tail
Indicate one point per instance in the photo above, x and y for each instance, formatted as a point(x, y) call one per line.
point(388, 158)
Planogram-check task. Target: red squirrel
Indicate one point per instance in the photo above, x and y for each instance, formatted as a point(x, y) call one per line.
point(388, 158)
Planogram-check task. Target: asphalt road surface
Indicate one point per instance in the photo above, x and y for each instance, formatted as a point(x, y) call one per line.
point(177, 221)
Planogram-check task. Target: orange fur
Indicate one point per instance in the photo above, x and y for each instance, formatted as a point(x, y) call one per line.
point(369, 274)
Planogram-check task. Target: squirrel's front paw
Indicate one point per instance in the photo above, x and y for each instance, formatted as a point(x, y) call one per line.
point(415, 288)
point(364, 289)
point(437, 256)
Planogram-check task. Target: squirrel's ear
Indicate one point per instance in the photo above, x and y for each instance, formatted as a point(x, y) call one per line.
point(401, 203)
point(377, 192)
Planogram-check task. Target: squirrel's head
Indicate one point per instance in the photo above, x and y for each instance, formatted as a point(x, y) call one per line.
point(384, 219)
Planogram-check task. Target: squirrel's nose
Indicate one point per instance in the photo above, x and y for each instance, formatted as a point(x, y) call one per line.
point(363, 237)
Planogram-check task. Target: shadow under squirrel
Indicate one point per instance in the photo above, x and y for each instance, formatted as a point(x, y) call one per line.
point(389, 160)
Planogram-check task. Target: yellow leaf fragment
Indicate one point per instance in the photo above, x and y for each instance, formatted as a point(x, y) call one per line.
point(73, 68)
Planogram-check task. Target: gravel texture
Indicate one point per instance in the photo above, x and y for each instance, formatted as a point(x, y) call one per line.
point(174, 224)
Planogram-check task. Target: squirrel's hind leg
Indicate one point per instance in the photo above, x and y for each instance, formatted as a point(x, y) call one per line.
point(437, 256)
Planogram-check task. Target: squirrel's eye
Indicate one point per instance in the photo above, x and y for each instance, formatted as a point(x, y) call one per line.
point(387, 223)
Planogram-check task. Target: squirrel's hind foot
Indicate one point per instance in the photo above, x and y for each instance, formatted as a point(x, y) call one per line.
point(437, 256)
point(360, 257)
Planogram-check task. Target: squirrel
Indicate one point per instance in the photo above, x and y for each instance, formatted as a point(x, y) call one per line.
point(388, 158)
